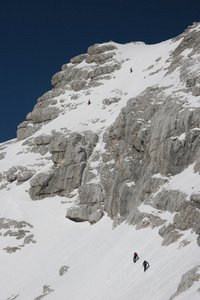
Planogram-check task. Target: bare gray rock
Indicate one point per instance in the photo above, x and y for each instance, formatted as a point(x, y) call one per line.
point(95, 216)
point(46, 290)
point(98, 48)
point(29, 239)
point(103, 70)
point(77, 85)
point(188, 217)
point(78, 59)
point(90, 209)
point(44, 114)
point(196, 90)
point(1, 177)
point(63, 270)
point(79, 213)
point(2, 155)
point(99, 58)
point(90, 194)
point(26, 129)
point(18, 230)
point(43, 139)
point(187, 280)
point(143, 141)
point(11, 250)
point(18, 234)
point(191, 40)
point(71, 77)
point(50, 94)
point(70, 156)
point(60, 79)
point(195, 198)
point(111, 100)
point(38, 183)
point(84, 213)
point(190, 82)
point(19, 173)
point(169, 234)
point(24, 175)
point(11, 176)
point(7, 223)
point(154, 137)
point(198, 240)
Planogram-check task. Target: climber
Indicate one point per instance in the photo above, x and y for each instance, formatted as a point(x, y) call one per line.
point(131, 70)
point(145, 265)
point(135, 257)
point(89, 102)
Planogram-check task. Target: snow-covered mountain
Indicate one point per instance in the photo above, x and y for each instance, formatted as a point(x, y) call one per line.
point(84, 185)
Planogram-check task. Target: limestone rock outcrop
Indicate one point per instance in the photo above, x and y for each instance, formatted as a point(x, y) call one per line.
point(72, 77)
point(69, 156)
point(19, 230)
point(187, 280)
point(20, 174)
point(156, 136)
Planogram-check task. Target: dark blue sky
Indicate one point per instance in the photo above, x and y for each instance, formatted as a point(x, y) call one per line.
point(38, 36)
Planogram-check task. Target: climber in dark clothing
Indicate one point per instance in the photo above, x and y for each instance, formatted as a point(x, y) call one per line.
point(145, 265)
point(135, 257)
point(89, 102)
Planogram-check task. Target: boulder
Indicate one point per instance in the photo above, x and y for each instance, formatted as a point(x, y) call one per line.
point(79, 213)
point(63, 270)
point(84, 213)
point(29, 239)
point(24, 175)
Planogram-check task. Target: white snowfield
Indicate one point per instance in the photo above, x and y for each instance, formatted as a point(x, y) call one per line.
point(97, 258)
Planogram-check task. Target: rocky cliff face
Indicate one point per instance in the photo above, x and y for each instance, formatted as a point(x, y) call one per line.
point(155, 137)
point(132, 154)
point(98, 65)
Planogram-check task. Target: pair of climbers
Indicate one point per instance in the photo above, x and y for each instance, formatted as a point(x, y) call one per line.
point(145, 263)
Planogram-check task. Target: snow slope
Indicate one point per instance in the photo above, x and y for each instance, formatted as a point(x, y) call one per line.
point(98, 258)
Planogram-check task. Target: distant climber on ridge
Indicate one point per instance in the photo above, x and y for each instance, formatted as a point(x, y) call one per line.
point(145, 265)
point(135, 257)
point(89, 102)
